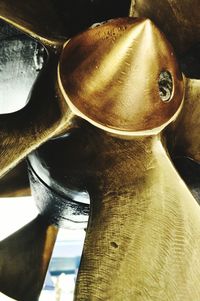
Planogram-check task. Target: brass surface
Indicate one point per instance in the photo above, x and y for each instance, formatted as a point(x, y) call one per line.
point(16, 182)
point(141, 211)
point(109, 76)
point(143, 240)
point(178, 19)
point(24, 259)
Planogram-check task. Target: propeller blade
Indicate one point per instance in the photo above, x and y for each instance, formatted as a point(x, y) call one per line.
point(24, 259)
point(53, 22)
point(16, 182)
point(143, 239)
point(39, 19)
point(185, 131)
point(173, 17)
point(45, 115)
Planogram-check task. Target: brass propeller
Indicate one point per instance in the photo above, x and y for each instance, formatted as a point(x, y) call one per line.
point(143, 239)
point(46, 115)
point(144, 221)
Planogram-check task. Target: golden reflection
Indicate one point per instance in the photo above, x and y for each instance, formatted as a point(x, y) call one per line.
point(113, 81)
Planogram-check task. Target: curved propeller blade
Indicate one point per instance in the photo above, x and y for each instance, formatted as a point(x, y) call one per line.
point(143, 239)
point(36, 18)
point(16, 182)
point(53, 22)
point(185, 131)
point(43, 117)
point(24, 259)
point(173, 17)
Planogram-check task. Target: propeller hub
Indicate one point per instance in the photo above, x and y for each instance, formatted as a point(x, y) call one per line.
point(122, 76)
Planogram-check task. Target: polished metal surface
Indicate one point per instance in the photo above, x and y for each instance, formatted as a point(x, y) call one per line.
point(142, 240)
point(109, 75)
